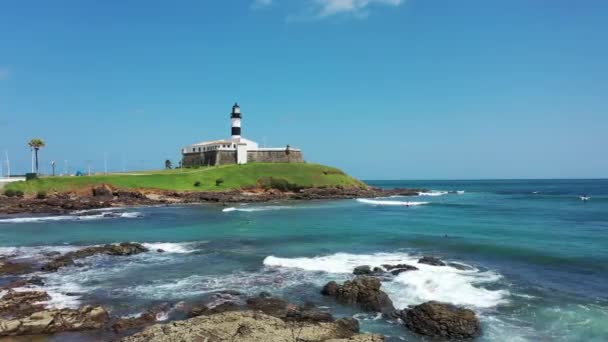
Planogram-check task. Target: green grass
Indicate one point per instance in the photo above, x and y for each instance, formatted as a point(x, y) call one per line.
point(235, 177)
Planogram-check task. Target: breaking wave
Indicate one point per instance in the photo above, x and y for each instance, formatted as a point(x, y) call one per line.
point(99, 216)
point(172, 247)
point(253, 209)
point(440, 283)
point(394, 203)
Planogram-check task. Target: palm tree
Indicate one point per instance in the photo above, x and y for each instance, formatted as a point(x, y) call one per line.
point(36, 144)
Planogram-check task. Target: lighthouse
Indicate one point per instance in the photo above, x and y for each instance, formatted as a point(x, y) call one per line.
point(235, 122)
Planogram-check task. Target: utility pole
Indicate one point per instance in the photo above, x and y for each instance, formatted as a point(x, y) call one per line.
point(53, 166)
point(32, 160)
point(89, 167)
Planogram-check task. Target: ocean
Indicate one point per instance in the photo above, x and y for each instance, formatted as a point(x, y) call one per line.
point(538, 254)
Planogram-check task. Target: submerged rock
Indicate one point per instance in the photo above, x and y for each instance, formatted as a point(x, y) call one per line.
point(363, 291)
point(431, 261)
point(246, 326)
point(442, 320)
point(53, 321)
point(122, 249)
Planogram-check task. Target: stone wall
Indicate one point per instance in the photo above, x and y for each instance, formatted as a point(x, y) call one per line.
point(214, 158)
point(283, 156)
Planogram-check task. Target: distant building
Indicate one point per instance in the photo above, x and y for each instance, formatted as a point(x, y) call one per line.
point(236, 149)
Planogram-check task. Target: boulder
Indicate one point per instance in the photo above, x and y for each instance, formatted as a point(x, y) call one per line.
point(53, 321)
point(250, 326)
point(22, 282)
point(362, 270)
point(431, 261)
point(400, 266)
point(363, 291)
point(122, 249)
point(442, 320)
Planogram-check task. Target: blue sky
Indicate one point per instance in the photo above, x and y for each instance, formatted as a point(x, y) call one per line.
point(412, 89)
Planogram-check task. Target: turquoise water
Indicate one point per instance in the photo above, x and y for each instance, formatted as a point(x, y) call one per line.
point(539, 253)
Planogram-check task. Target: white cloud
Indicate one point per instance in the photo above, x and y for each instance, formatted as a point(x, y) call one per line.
point(261, 3)
point(4, 73)
point(331, 7)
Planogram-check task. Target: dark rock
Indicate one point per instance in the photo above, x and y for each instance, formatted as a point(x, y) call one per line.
point(330, 289)
point(442, 320)
point(122, 249)
point(348, 325)
point(13, 268)
point(35, 280)
point(264, 294)
point(431, 261)
point(200, 310)
point(160, 250)
point(460, 267)
point(271, 306)
point(362, 270)
point(400, 266)
point(363, 291)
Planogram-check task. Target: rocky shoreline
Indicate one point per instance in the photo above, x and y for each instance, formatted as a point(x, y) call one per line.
point(226, 315)
point(105, 196)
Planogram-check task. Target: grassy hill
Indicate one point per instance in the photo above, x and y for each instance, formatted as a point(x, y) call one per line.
point(302, 175)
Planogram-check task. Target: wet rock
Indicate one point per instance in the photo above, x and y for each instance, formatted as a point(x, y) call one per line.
point(442, 320)
point(123, 324)
point(271, 306)
point(14, 268)
point(53, 321)
point(362, 270)
point(400, 266)
point(431, 261)
point(363, 291)
point(122, 249)
point(460, 267)
point(307, 313)
point(160, 250)
point(251, 326)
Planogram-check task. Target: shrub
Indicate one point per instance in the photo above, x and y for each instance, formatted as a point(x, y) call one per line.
point(219, 181)
point(18, 193)
point(41, 195)
point(277, 183)
point(9, 193)
point(197, 183)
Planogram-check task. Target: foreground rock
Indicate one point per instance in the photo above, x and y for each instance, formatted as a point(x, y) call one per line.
point(15, 304)
point(246, 326)
point(442, 320)
point(363, 291)
point(53, 321)
point(123, 324)
point(123, 249)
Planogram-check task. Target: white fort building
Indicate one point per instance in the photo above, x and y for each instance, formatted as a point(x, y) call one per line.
point(236, 149)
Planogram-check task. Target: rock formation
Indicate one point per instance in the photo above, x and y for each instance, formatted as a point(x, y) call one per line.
point(442, 320)
point(250, 326)
point(363, 291)
point(125, 248)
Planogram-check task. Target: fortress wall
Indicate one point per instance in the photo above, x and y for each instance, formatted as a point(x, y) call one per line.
point(214, 158)
point(282, 156)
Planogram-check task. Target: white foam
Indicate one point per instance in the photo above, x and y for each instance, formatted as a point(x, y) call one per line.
point(102, 215)
point(441, 283)
point(391, 203)
point(171, 247)
point(460, 192)
point(34, 251)
point(253, 209)
point(433, 193)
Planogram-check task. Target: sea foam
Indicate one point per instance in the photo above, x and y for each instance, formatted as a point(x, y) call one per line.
point(99, 216)
point(441, 283)
point(390, 203)
point(254, 209)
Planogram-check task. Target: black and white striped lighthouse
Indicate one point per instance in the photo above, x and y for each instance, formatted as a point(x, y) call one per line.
point(235, 120)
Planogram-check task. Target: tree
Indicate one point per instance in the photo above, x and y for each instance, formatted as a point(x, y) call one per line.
point(168, 164)
point(36, 144)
